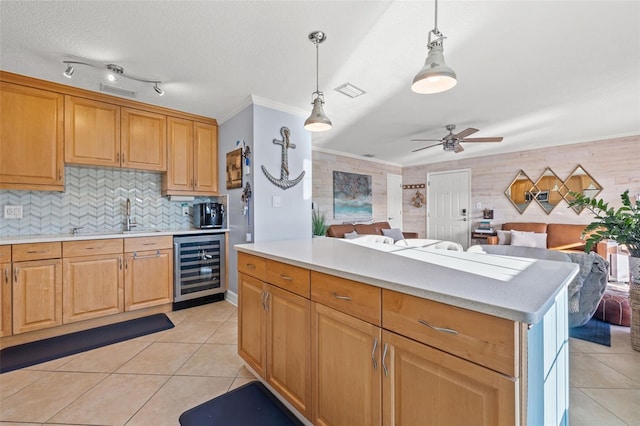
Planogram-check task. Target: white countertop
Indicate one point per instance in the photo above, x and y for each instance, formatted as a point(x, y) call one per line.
point(508, 287)
point(22, 239)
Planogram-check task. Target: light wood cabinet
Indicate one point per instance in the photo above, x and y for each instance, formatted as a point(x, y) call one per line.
point(425, 386)
point(345, 369)
point(31, 138)
point(93, 283)
point(273, 337)
point(192, 165)
point(148, 273)
point(92, 132)
point(143, 140)
point(5, 291)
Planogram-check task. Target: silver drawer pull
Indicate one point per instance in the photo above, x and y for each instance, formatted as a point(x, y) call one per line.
point(285, 277)
point(337, 296)
point(373, 353)
point(37, 251)
point(444, 330)
point(149, 244)
point(250, 265)
point(135, 255)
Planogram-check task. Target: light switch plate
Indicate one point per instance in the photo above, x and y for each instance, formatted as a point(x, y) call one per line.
point(276, 201)
point(12, 212)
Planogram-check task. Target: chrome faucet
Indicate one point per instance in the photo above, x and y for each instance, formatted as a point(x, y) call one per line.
point(129, 223)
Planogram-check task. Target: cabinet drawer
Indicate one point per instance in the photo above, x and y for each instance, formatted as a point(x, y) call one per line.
point(36, 251)
point(5, 253)
point(477, 337)
point(293, 278)
point(148, 243)
point(91, 247)
point(252, 265)
point(359, 300)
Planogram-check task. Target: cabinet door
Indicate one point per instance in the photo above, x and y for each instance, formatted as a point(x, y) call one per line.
point(5, 299)
point(206, 158)
point(91, 132)
point(345, 367)
point(289, 347)
point(37, 295)
point(143, 140)
point(31, 138)
point(425, 386)
point(148, 279)
point(92, 287)
point(179, 176)
point(252, 331)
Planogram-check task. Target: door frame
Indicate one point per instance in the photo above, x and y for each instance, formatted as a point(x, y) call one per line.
point(401, 219)
point(428, 195)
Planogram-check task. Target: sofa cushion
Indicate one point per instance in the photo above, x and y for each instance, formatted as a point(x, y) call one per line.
point(504, 237)
point(394, 233)
point(525, 226)
point(338, 231)
point(366, 228)
point(563, 236)
point(351, 235)
point(529, 239)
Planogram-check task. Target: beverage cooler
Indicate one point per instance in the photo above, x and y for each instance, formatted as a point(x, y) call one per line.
point(199, 269)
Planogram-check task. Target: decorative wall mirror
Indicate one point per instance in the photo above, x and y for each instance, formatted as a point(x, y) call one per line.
point(550, 190)
point(521, 191)
point(581, 181)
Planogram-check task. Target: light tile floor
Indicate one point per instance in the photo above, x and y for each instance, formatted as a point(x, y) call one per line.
point(153, 379)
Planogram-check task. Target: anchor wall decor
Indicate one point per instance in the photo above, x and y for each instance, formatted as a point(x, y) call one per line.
point(284, 181)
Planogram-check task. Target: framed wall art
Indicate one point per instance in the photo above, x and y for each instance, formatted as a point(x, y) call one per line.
point(352, 197)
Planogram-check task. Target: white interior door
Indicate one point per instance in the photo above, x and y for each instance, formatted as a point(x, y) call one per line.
point(394, 200)
point(448, 195)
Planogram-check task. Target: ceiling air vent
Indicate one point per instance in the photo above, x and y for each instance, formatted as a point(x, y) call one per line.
point(117, 90)
point(368, 155)
point(350, 90)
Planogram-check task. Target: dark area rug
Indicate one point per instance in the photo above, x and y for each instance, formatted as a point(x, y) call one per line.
point(595, 331)
point(249, 405)
point(29, 354)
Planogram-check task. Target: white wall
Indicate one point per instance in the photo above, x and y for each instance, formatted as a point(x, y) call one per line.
point(292, 220)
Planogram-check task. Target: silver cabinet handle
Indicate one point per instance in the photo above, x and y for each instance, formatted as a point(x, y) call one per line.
point(285, 277)
point(120, 263)
point(266, 301)
point(441, 329)
point(6, 275)
point(337, 296)
point(135, 255)
point(250, 265)
point(384, 356)
point(15, 274)
point(37, 251)
point(262, 299)
point(373, 353)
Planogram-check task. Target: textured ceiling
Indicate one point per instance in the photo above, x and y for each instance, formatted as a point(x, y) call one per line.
point(538, 73)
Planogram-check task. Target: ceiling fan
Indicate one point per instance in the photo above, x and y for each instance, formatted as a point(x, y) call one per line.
point(451, 142)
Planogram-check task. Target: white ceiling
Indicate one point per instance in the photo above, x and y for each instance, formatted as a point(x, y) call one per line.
point(538, 73)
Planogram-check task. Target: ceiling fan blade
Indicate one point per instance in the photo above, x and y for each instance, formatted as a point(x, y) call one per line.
point(425, 147)
point(458, 148)
point(496, 139)
point(466, 133)
point(426, 140)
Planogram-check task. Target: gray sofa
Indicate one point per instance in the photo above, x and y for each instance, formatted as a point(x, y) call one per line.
point(587, 288)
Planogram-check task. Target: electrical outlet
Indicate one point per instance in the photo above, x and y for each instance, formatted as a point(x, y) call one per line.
point(185, 210)
point(276, 201)
point(248, 237)
point(13, 212)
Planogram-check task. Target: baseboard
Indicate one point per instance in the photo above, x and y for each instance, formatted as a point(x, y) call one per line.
point(231, 297)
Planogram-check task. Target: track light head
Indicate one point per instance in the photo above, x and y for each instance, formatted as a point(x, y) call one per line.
point(69, 72)
point(158, 90)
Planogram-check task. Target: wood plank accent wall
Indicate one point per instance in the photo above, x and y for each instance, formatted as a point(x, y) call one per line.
point(324, 164)
point(612, 162)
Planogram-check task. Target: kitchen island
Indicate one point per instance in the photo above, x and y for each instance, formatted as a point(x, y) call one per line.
point(351, 334)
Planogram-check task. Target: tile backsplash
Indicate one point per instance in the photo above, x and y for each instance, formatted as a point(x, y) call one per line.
point(95, 200)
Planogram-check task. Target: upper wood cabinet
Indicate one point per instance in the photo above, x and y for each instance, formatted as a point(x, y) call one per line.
point(92, 132)
point(143, 140)
point(31, 138)
point(192, 167)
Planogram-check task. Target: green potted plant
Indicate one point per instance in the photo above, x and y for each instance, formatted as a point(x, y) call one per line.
point(318, 223)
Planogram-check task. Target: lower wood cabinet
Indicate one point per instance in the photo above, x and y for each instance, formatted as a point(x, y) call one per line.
point(37, 295)
point(346, 369)
point(93, 285)
point(274, 340)
point(148, 277)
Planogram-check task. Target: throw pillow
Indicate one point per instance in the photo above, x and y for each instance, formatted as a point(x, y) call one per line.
point(394, 233)
point(351, 235)
point(504, 237)
point(529, 239)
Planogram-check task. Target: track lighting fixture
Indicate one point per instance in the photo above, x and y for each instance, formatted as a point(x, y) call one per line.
point(317, 121)
point(435, 76)
point(115, 71)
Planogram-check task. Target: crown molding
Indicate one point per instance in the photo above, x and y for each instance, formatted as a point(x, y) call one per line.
point(357, 157)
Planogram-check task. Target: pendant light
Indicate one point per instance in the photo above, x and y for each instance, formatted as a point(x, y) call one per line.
point(317, 121)
point(435, 76)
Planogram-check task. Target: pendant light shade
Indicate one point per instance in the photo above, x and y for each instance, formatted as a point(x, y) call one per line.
point(435, 76)
point(317, 121)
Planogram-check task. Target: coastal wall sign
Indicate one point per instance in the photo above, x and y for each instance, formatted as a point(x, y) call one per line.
point(284, 182)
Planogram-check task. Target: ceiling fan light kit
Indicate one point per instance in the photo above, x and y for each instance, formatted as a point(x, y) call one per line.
point(451, 142)
point(435, 76)
point(115, 71)
point(317, 121)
